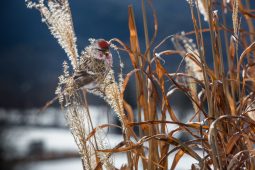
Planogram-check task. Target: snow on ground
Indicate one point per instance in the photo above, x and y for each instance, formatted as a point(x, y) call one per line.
point(50, 116)
point(53, 139)
point(32, 126)
point(66, 164)
point(20, 138)
point(62, 140)
point(75, 164)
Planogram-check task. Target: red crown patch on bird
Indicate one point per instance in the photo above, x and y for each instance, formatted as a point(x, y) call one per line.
point(103, 44)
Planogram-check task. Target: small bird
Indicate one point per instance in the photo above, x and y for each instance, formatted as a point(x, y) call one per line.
point(95, 63)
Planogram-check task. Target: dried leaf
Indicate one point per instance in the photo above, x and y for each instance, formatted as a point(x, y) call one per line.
point(134, 43)
point(177, 157)
point(231, 143)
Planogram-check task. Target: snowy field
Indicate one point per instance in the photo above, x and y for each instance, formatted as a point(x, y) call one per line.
point(75, 164)
point(57, 140)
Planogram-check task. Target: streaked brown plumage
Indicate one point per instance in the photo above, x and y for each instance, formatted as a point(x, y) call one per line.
point(94, 65)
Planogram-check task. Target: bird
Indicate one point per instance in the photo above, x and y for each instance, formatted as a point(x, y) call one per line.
point(94, 64)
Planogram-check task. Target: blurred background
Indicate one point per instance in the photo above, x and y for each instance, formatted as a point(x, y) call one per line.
point(31, 61)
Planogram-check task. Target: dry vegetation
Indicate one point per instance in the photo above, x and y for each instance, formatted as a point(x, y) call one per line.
point(223, 121)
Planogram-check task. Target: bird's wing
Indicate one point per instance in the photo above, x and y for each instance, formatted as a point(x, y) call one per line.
point(83, 78)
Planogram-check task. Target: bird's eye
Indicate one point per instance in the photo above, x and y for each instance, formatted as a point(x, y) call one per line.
point(98, 49)
point(104, 51)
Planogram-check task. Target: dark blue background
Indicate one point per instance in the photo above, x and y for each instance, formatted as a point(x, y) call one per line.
point(31, 59)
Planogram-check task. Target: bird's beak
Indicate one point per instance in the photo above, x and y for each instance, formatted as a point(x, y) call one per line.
point(106, 53)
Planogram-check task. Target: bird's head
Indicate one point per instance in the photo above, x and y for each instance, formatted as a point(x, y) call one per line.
point(102, 51)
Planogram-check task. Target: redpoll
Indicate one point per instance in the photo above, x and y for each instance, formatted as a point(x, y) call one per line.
point(95, 63)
